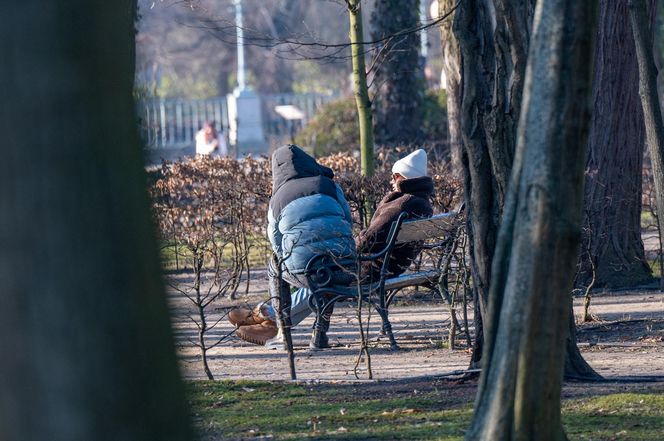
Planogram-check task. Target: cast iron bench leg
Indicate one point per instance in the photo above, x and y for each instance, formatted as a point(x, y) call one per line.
point(320, 311)
point(387, 326)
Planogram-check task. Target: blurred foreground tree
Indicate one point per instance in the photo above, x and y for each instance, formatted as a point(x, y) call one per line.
point(533, 270)
point(84, 330)
point(615, 157)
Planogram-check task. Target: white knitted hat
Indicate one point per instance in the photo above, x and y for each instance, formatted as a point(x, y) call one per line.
point(412, 166)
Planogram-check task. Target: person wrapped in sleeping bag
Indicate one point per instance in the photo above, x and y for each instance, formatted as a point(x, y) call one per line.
point(308, 216)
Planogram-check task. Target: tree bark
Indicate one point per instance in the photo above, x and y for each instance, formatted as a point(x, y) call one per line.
point(642, 30)
point(84, 329)
point(452, 71)
point(493, 40)
point(398, 78)
point(360, 88)
point(576, 367)
point(511, 36)
point(519, 394)
point(472, 28)
point(615, 157)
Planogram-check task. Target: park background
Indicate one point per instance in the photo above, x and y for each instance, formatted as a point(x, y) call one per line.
point(558, 159)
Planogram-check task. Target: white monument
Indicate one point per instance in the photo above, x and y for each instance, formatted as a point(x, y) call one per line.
point(245, 123)
point(245, 113)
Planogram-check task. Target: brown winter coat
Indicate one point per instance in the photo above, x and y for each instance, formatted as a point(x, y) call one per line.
point(412, 197)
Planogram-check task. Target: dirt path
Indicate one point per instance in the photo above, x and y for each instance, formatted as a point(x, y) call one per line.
point(629, 341)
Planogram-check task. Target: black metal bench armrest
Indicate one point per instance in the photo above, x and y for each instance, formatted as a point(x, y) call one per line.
point(389, 242)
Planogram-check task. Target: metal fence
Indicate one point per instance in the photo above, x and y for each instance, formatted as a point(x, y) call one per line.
point(173, 123)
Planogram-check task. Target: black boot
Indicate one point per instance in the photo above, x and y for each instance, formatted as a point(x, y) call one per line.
point(319, 338)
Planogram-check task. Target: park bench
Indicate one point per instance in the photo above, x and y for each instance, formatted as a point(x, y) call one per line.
point(436, 232)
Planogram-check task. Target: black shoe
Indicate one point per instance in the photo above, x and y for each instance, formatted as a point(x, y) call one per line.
point(319, 340)
point(321, 326)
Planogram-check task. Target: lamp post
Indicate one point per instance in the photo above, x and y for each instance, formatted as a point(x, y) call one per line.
point(245, 121)
point(240, 47)
point(424, 37)
point(433, 10)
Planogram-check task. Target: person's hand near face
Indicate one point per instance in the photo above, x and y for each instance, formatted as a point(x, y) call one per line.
point(396, 178)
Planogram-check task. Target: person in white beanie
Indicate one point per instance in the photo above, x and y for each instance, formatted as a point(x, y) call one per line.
point(412, 166)
point(412, 189)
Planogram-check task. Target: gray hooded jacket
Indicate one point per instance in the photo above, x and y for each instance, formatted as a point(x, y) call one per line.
point(308, 214)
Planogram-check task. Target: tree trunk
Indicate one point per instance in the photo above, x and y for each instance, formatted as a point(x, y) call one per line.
point(452, 71)
point(471, 26)
point(287, 20)
point(493, 62)
point(576, 367)
point(398, 79)
point(510, 43)
point(87, 349)
point(519, 394)
point(642, 30)
point(360, 88)
point(615, 157)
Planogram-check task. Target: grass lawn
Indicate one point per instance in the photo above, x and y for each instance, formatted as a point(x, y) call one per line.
point(385, 411)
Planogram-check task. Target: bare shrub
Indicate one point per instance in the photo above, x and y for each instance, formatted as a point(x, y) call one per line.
point(207, 207)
